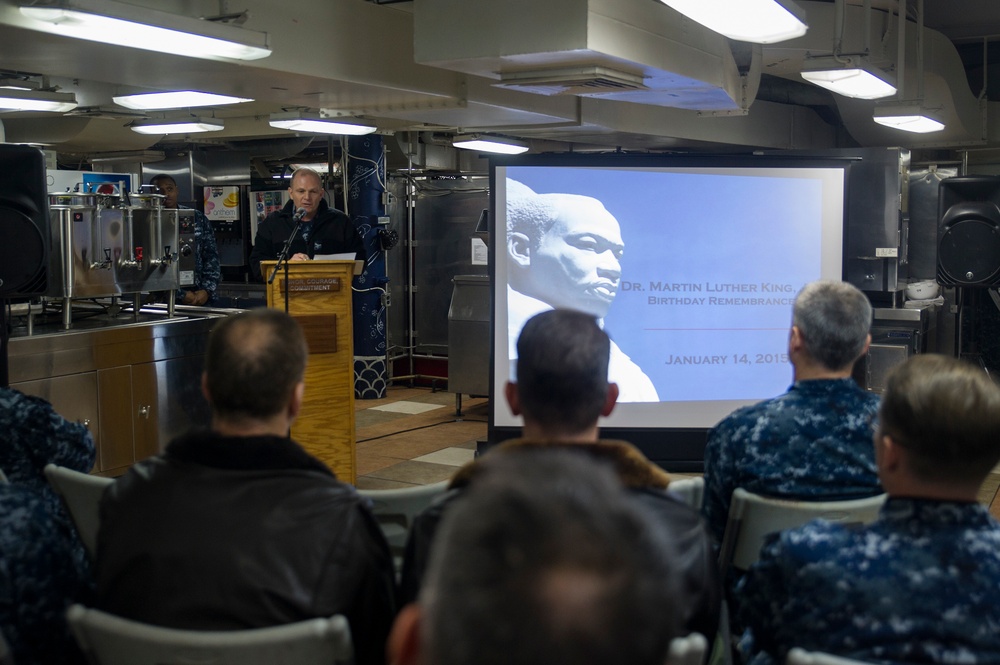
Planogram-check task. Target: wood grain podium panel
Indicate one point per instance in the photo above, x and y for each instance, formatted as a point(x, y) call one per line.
point(319, 297)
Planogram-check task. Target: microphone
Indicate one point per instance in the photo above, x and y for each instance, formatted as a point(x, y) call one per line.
point(299, 214)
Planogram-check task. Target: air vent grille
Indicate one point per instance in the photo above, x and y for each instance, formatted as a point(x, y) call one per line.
point(588, 80)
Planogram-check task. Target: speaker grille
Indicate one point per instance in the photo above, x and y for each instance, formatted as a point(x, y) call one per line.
point(24, 222)
point(969, 253)
point(969, 231)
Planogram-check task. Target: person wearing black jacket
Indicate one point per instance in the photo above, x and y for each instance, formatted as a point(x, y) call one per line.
point(238, 527)
point(323, 230)
point(562, 389)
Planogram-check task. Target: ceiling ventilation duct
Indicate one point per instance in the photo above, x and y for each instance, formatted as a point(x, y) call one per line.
point(586, 81)
point(942, 75)
point(78, 135)
point(624, 50)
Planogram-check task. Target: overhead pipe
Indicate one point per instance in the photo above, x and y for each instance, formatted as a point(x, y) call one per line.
point(920, 50)
point(867, 8)
point(901, 51)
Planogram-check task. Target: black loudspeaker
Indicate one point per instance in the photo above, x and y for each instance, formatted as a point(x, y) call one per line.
point(968, 252)
point(24, 222)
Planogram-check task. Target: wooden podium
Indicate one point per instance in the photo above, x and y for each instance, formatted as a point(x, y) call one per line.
point(319, 298)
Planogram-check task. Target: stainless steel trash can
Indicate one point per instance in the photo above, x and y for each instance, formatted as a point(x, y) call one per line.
point(469, 337)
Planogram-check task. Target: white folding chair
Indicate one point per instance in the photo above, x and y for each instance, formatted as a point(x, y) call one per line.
point(752, 517)
point(110, 640)
point(395, 509)
point(689, 650)
point(81, 492)
point(798, 656)
point(688, 490)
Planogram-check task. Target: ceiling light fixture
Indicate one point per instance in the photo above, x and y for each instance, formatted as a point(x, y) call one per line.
point(188, 125)
point(911, 117)
point(909, 113)
point(302, 121)
point(758, 21)
point(19, 84)
point(178, 99)
point(848, 76)
point(128, 157)
point(499, 144)
point(141, 27)
point(12, 99)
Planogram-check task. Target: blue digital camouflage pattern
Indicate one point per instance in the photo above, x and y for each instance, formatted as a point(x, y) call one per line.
point(207, 268)
point(33, 435)
point(813, 442)
point(42, 562)
point(919, 585)
point(39, 579)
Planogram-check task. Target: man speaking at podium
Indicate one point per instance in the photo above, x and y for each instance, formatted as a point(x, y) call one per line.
point(323, 230)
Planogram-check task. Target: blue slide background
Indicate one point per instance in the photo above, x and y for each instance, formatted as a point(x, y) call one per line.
point(703, 230)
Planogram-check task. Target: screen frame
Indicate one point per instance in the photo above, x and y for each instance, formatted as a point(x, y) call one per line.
point(674, 448)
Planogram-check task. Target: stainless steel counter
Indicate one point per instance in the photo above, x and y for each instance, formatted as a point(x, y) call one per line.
point(134, 379)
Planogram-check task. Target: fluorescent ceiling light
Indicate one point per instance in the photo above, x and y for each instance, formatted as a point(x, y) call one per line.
point(128, 157)
point(908, 117)
point(36, 100)
point(19, 84)
point(851, 77)
point(178, 99)
point(141, 27)
point(498, 144)
point(300, 121)
point(759, 21)
point(189, 125)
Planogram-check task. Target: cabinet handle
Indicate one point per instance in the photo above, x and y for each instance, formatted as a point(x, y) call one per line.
point(144, 411)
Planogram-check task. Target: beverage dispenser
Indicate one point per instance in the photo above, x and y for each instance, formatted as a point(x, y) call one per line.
point(81, 260)
point(149, 258)
point(108, 244)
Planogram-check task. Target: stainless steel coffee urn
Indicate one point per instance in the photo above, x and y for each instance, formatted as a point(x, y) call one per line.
point(111, 243)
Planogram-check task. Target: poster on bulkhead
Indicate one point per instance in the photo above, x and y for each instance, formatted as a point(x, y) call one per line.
point(222, 203)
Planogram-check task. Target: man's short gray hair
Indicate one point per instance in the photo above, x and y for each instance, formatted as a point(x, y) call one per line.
point(304, 171)
point(834, 319)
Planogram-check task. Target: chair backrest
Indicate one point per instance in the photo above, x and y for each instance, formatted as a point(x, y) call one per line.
point(6, 657)
point(690, 650)
point(752, 517)
point(798, 656)
point(110, 640)
point(688, 490)
point(81, 492)
point(395, 509)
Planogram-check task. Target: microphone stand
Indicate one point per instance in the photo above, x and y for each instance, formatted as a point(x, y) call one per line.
point(284, 258)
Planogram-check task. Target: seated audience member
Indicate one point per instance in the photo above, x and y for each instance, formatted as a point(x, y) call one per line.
point(43, 566)
point(238, 527)
point(813, 442)
point(920, 584)
point(545, 560)
point(562, 389)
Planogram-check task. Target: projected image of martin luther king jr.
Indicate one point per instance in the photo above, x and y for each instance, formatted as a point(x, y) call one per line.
point(564, 251)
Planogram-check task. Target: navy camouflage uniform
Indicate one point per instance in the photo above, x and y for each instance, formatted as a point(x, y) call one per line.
point(207, 268)
point(919, 585)
point(43, 566)
point(814, 442)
